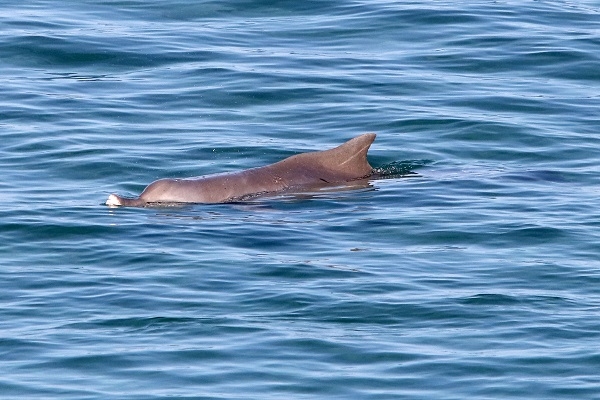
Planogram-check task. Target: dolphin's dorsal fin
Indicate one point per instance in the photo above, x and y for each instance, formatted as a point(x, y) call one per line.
point(350, 157)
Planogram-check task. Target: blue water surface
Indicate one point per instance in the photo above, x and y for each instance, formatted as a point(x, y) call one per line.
point(476, 276)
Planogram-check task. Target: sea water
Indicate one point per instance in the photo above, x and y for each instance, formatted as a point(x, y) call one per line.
point(472, 271)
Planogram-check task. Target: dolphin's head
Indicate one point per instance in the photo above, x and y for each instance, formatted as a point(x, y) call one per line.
point(118, 201)
point(113, 201)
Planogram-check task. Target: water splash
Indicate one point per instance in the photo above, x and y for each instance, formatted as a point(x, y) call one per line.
point(397, 169)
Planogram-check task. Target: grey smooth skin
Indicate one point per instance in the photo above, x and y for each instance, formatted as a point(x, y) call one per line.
point(344, 163)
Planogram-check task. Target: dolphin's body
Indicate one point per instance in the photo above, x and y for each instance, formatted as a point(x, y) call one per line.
point(344, 163)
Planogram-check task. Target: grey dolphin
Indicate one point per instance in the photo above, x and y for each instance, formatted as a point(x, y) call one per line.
point(344, 163)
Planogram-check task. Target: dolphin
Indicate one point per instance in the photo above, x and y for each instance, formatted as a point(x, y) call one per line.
point(345, 163)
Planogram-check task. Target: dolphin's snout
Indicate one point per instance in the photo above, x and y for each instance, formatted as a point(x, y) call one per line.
point(113, 201)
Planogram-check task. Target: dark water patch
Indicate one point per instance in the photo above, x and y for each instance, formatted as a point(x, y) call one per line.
point(492, 299)
point(538, 176)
